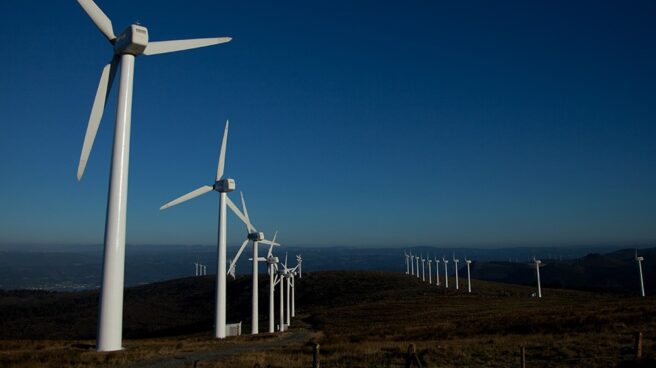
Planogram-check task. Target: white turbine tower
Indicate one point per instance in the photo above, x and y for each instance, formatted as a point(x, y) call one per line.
point(455, 264)
point(430, 271)
point(423, 267)
point(537, 263)
point(437, 271)
point(132, 42)
point(412, 264)
point(197, 268)
point(446, 272)
point(417, 259)
point(468, 262)
point(222, 186)
point(407, 263)
point(639, 260)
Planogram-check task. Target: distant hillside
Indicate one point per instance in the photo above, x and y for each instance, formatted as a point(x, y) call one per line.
point(611, 272)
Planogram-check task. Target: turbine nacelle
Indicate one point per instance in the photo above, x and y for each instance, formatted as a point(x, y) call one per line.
point(225, 185)
point(133, 40)
point(256, 236)
point(272, 260)
point(639, 259)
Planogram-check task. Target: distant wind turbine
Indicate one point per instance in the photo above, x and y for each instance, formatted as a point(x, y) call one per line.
point(468, 262)
point(430, 271)
point(132, 42)
point(423, 267)
point(417, 260)
point(412, 264)
point(455, 264)
point(639, 260)
point(437, 271)
point(407, 263)
point(446, 272)
point(537, 264)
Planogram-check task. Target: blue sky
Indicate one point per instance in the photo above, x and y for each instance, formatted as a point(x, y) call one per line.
point(362, 123)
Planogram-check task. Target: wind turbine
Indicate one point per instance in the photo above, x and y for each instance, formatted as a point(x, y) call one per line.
point(282, 275)
point(132, 42)
point(417, 259)
point(639, 260)
point(437, 271)
point(272, 263)
point(223, 187)
point(257, 237)
point(446, 272)
point(468, 262)
point(299, 261)
point(430, 271)
point(423, 267)
point(197, 267)
point(537, 263)
point(455, 264)
point(412, 264)
point(407, 263)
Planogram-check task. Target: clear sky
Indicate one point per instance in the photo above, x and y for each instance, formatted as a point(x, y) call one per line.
point(458, 123)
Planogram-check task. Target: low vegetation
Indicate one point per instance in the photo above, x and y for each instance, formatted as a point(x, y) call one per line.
point(368, 319)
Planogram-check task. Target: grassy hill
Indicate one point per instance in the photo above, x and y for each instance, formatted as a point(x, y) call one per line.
point(361, 319)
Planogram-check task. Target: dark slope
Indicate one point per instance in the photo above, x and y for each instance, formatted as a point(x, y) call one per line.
point(612, 272)
point(160, 309)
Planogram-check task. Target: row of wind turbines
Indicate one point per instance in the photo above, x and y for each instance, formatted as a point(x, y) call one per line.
point(410, 269)
point(129, 44)
point(538, 263)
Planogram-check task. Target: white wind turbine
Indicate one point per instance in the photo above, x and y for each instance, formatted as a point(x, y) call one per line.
point(437, 271)
point(299, 261)
point(132, 42)
point(257, 238)
point(537, 264)
point(423, 267)
point(455, 264)
point(430, 271)
point(446, 272)
point(407, 263)
point(222, 186)
point(282, 275)
point(412, 264)
point(639, 260)
point(197, 268)
point(417, 259)
point(272, 264)
point(468, 262)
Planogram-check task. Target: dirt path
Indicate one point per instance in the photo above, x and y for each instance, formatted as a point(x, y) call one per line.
point(294, 337)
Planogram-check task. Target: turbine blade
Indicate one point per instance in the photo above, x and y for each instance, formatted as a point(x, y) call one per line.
point(162, 47)
point(99, 102)
point(193, 194)
point(234, 260)
point(100, 19)
point(271, 245)
point(243, 205)
point(268, 242)
point(219, 170)
point(241, 216)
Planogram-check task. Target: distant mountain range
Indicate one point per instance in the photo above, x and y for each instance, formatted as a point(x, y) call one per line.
point(79, 268)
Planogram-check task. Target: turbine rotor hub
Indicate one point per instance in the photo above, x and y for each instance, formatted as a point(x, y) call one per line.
point(133, 40)
point(225, 185)
point(256, 236)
